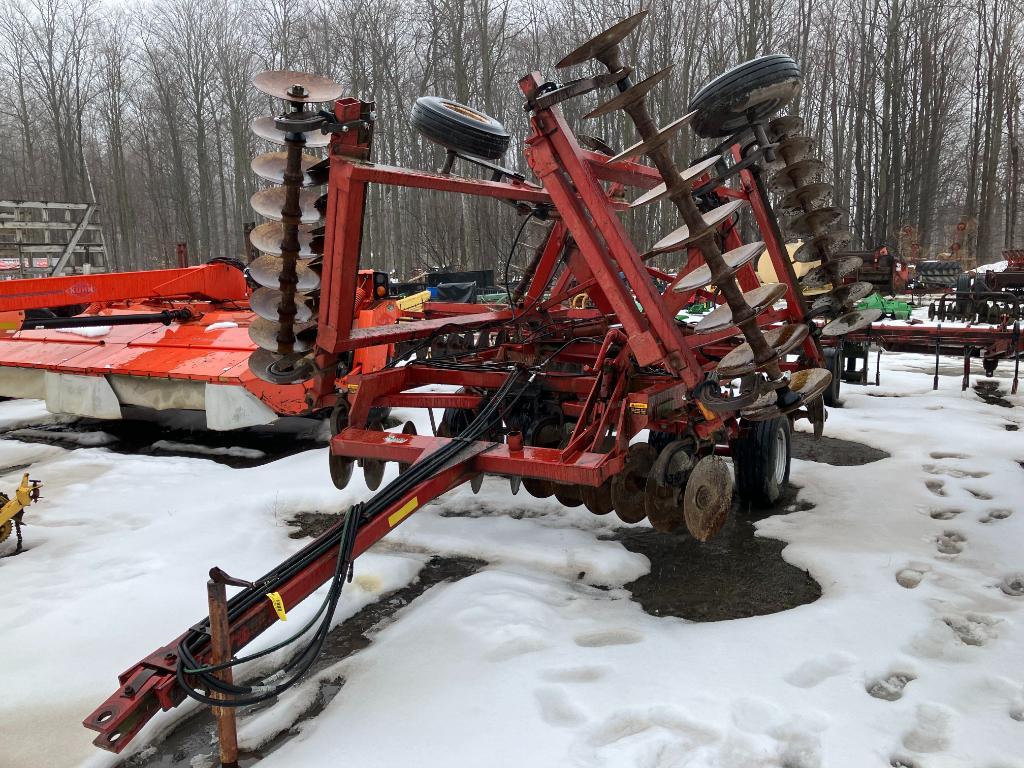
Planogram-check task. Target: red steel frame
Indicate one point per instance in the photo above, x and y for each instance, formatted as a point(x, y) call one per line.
point(609, 395)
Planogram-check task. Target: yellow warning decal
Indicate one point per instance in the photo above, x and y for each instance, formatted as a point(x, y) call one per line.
point(639, 409)
point(278, 603)
point(407, 509)
point(353, 387)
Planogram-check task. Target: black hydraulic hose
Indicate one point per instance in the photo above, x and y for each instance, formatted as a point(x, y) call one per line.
point(166, 317)
point(343, 536)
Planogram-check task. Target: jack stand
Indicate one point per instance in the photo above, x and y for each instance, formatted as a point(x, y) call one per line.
point(220, 644)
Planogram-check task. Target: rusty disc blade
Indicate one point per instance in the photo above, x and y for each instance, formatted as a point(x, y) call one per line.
point(267, 238)
point(660, 191)
point(740, 361)
point(597, 499)
point(708, 497)
point(630, 96)
point(265, 301)
point(663, 494)
point(594, 144)
point(856, 320)
point(831, 271)
point(629, 484)
point(759, 299)
point(817, 222)
point(846, 296)
point(807, 384)
point(373, 469)
point(812, 249)
point(269, 202)
point(602, 42)
point(264, 128)
point(266, 271)
point(263, 333)
point(796, 175)
point(792, 150)
point(785, 126)
point(271, 165)
point(292, 85)
point(280, 369)
point(663, 136)
point(734, 259)
point(681, 237)
point(806, 197)
point(568, 495)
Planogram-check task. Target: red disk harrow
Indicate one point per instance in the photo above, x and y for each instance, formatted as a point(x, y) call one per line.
point(610, 402)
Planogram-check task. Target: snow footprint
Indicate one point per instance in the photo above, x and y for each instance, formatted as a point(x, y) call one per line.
point(936, 486)
point(911, 576)
point(890, 688)
point(815, 671)
point(934, 469)
point(950, 543)
point(942, 455)
point(944, 514)
point(974, 629)
point(580, 674)
point(995, 514)
point(932, 731)
point(557, 708)
point(608, 637)
point(1013, 585)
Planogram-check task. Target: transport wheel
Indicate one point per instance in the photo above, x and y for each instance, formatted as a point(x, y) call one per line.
point(745, 94)
point(761, 459)
point(460, 128)
point(834, 364)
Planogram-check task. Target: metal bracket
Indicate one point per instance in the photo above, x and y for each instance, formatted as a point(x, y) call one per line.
point(574, 88)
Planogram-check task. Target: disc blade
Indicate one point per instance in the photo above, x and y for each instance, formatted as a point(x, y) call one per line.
point(630, 96)
point(808, 384)
point(280, 369)
point(796, 175)
point(734, 259)
point(266, 271)
point(812, 249)
point(856, 320)
point(660, 191)
point(265, 302)
point(269, 202)
point(271, 165)
point(830, 272)
point(708, 497)
point(663, 136)
point(740, 361)
point(782, 127)
point(759, 299)
point(849, 295)
point(793, 149)
point(681, 237)
point(264, 128)
point(816, 222)
point(629, 484)
point(263, 333)
point(603, 41)
point(808, 196)
point(267, 238)
point(292, 85)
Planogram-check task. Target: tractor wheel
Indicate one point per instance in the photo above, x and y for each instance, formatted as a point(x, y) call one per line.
point(745, 94)
point(460, 128)
point(761, 458)
point(834, 364)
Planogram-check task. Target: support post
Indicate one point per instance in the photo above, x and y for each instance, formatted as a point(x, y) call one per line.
point(220, 649)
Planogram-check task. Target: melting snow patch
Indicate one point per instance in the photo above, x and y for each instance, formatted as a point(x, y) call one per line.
point(218, 326)
point(173, 446)
point(96, 330)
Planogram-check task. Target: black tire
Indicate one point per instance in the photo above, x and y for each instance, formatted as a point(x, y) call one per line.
point(748, 92)
point(761, 458)
point(458, 127)
point(834, 364)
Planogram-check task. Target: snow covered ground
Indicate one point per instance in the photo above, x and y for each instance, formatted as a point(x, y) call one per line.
point(913, 656)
